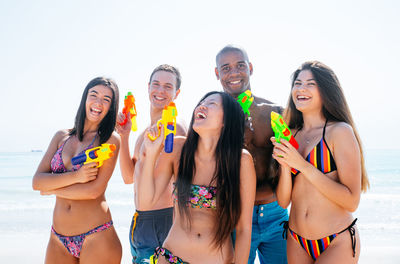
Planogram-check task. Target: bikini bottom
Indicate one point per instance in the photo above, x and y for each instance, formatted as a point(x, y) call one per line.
point(314, 248)
point(167, 255)
point(74, 243)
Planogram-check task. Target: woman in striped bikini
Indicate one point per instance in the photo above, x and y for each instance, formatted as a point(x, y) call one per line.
point(324, 178)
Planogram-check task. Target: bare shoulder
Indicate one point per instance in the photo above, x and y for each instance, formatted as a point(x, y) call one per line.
point(179, 141)
point(264, 107)
point(60, 135)
point(339, 130)
point(246, 157)
point(114, 139)
point(181, 128)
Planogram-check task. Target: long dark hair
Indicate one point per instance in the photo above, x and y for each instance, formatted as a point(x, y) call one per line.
point(107, 125)
point(228, 155)
point(334, 105)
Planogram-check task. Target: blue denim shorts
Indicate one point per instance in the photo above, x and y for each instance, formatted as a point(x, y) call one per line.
point(266, 235)
point(148, 230)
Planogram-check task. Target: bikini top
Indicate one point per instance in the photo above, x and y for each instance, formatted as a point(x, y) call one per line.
point(320, 156)
point(201, 196)
point(57, 164)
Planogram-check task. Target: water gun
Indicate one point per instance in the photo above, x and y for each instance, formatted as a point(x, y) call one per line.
point(282, 130)
point(245, 100)
point(130, 107)
point(168, 121)
point(98, 154)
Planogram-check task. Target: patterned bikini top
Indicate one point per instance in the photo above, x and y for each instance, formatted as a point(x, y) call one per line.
point(201, 196)
point(57, 164)
point(320, 156)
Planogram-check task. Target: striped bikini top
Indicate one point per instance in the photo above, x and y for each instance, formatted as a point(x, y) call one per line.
point(320, 156)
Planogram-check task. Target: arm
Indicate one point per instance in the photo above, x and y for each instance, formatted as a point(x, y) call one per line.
point(345, 192)
point(126, 162)
point(247, 194)
point(95, 188)
point(45, 180)
point(285, 184)
point(156, 170)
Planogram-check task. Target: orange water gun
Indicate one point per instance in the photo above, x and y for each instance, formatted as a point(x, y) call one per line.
point(130, 107)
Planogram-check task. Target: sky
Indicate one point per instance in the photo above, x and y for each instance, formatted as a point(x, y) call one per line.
point(50, 50)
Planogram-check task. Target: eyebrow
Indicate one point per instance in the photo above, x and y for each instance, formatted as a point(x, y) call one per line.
point(159, 82)
point(94, 91)
point(297, 79)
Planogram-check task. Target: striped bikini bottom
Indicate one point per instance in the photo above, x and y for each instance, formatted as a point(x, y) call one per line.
point(314, 248)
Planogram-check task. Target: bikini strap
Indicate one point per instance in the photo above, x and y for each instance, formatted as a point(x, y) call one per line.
point(352, 232)
point(323, 132)
point(285, 229)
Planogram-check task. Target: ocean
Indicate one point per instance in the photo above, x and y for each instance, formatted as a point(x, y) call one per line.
point(25, 215)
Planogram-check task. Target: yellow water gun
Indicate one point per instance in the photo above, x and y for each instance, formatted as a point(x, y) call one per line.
point(98, 154)
point(168, 121)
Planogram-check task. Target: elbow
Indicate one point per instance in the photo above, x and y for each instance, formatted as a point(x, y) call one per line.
point(128, 180)
point(35, 184)
point(283, 204)
point(282, 201)
point(352, 207)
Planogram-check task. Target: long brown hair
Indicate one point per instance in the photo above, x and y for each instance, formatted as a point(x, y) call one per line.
point(334, 105)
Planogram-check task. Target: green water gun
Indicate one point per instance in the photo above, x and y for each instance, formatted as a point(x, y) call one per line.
point(245, 100)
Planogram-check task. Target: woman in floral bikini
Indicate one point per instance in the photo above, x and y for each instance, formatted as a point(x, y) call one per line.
point(82, 230)
point(215, 185)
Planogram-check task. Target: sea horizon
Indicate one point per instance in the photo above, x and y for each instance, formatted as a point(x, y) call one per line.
point(27, 216)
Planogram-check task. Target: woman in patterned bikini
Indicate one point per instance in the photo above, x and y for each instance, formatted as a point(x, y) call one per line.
point(215, 186)
point(82, 230)
point(324, 178)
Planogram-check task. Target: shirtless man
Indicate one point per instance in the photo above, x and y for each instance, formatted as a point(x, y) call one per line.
point(150, 226)
point(234, 70)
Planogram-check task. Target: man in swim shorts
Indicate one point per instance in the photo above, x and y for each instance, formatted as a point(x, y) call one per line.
point(150, 226)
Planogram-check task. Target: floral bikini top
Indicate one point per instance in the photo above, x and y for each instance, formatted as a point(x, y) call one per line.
point(57, 164)
point(201, 196)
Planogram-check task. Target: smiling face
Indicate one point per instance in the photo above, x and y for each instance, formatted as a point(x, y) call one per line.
point(98, 103)
point(234, 70)
point(209, 114)
point(305, 92)
point(162, 89)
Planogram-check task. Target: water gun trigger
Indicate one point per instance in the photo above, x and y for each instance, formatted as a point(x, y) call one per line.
point(159, 126)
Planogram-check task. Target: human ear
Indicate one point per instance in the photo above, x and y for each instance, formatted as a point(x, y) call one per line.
point(216, 73)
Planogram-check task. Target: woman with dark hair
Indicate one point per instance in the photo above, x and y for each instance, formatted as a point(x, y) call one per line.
point(82, 230)
point(214, 181)
point(323, 178)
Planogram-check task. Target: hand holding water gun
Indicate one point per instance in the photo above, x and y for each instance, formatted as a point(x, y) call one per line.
point(98, 154)
point(245, 100)
point(281, 130)
point(130, 107)
point(168, 122)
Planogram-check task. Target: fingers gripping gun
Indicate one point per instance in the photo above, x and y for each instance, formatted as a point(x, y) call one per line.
point(281, 130)
point(98, 154)
point(168, 121)
point(245, 100)
point(130, 107)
